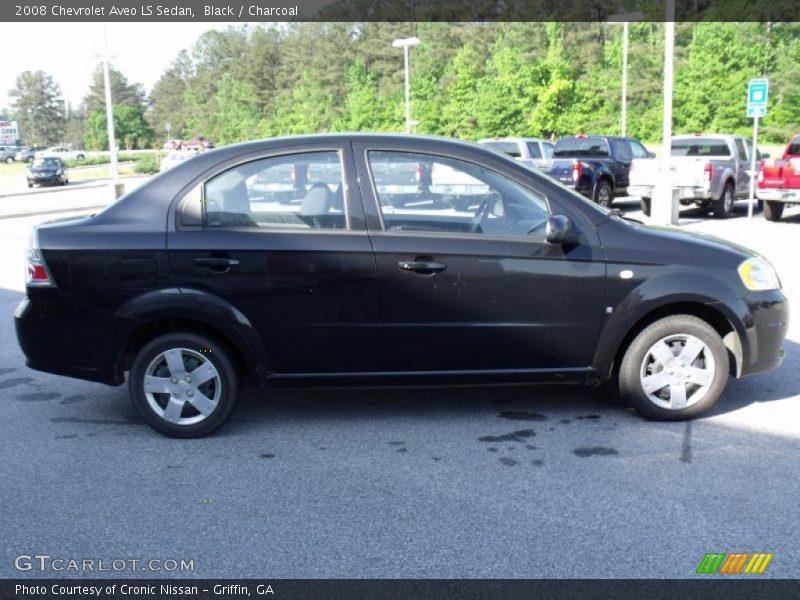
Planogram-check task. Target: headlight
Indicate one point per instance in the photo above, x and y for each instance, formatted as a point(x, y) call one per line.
point(758, 275)
point(58, 172)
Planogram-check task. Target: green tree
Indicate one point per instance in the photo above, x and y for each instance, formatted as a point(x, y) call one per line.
point(38, 108)
point(130, 129)
point(123, 93)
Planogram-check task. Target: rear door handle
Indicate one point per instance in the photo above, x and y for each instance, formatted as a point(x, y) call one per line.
point(215, 263)
point(422, 267)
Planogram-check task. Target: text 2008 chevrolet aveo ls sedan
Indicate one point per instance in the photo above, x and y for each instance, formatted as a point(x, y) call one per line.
point(386, 259)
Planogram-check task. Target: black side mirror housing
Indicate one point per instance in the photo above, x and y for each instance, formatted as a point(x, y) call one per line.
point(560, 230)
point(765, 155)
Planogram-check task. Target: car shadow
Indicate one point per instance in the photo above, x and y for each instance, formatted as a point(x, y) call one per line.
point(529, 402)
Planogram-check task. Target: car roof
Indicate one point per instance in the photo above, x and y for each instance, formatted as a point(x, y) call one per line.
point(513, 139)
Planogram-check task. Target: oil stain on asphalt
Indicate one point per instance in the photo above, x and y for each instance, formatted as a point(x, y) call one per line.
point(38, 397)
point(514, 436)
point(521, 415)
point(594, 451)
point(9, 383)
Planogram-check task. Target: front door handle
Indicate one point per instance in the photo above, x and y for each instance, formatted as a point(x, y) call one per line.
point(422, 267)
point(216, 263)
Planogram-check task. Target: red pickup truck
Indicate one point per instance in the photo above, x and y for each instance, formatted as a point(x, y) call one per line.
point(779, 181)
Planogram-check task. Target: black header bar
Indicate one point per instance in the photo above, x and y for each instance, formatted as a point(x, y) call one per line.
point(396, 10)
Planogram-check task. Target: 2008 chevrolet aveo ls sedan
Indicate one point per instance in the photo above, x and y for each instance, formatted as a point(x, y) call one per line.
point(386, 259)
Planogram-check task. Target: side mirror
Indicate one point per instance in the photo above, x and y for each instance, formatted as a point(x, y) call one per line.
point(651, 155)
point(561, 231)
point(765, 155)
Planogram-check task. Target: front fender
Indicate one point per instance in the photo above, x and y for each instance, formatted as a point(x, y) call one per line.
point(653, 294)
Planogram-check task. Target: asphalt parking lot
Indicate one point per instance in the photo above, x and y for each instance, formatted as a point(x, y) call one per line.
point(425, 482)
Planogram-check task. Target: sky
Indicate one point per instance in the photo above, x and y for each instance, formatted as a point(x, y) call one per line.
point(67, 51)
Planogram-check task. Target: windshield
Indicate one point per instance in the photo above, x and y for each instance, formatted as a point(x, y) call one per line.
point(47, 163)
point(580, 146)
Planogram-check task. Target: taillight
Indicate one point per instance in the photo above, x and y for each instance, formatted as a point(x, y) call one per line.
point(577, 170)
point(708, 172)
point(37, 269)
point(760, 173)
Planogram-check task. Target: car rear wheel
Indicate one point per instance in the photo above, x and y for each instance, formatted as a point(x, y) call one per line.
point(184, 385)
point(723, 206)
point(674, 369)
point(773, 211)
point(603, 194)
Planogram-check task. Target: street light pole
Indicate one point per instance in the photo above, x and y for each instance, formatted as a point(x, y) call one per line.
point(405, 44)
point(109, 108)
point(624, 77)
point(626, 19)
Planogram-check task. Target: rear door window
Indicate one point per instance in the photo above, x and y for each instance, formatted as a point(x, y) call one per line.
point(534, 150)
point(740, 149)
point(296, 191)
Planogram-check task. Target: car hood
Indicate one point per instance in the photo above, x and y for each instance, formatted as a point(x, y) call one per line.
point(631, 242)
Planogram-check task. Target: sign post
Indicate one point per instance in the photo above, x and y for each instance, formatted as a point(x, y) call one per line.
point(757, 94)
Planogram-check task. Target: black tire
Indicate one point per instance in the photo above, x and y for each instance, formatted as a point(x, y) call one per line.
point(773, 211)
point(194, 348)
point(9, 160)
point(603, 194)
point(646, 205)
point(723, 206)
point(633, 366)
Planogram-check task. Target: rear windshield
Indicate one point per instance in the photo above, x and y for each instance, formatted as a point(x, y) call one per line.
point(574, 146)
point(510, 148)
point(700, 147)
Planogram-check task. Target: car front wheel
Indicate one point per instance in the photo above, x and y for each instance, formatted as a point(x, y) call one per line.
point(184, 385)
point(674, 369)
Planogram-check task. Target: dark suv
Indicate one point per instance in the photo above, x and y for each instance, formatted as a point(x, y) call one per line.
point(202, 280)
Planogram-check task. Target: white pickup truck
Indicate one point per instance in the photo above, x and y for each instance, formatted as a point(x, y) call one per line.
point(710, 171)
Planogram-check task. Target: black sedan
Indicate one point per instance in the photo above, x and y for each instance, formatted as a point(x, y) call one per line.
point(47, 171)
point(202, 280)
